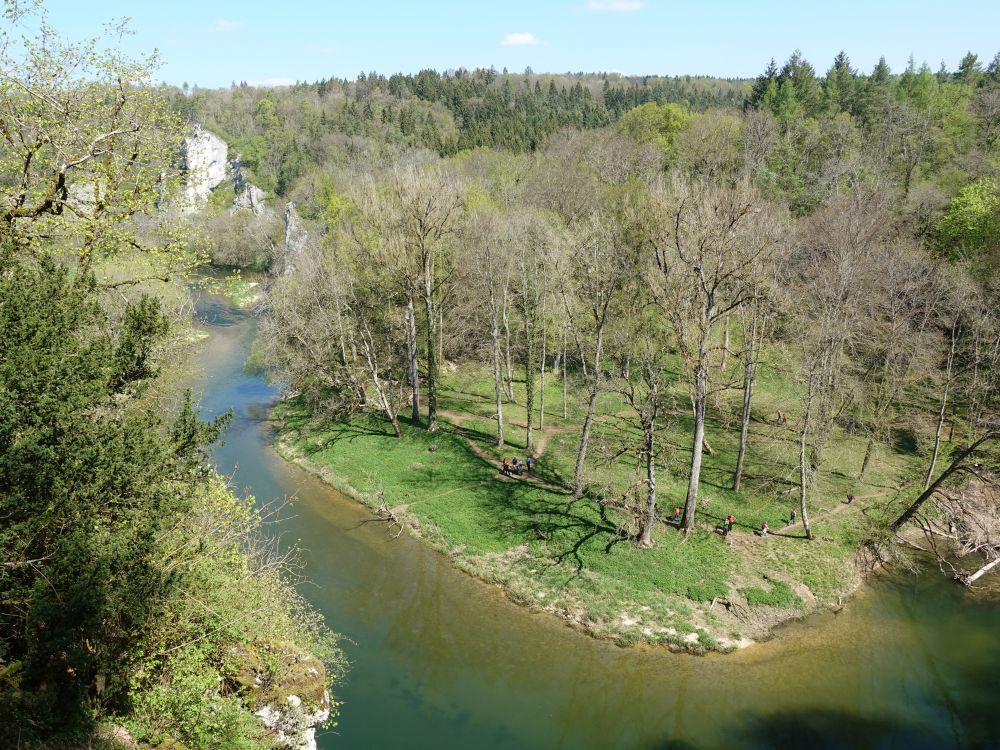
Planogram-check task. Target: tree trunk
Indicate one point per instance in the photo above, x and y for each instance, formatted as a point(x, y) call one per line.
point(803, 468)
point(749, 376)
point(725, 341)
point(565, 413)
point(411, 355)
point(432, 424)
point(701, 396)
point(529, 381)
point(932, 488)
point(510, 366)
point(646, 539)
point(371, 358)
point(944, 407)
point(968, 580)
point(588, 421)
point(541, 386)
point(498, 377)
point(744, 424)
point(869, 451)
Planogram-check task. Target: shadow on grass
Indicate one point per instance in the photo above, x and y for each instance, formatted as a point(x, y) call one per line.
point(334, 432)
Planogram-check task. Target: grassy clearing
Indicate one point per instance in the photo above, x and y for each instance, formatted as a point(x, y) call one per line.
point(569, 557)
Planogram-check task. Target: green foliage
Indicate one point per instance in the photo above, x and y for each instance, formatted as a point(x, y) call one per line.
point(655, 123)
point(89, 142)
point(85, 488)
point(971, 225)
point(128, 569)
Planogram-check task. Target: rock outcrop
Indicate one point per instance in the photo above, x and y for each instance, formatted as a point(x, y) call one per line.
point(296, 238)
point(286, 691)
point(294, 723)
point(248, 196)
point(207, 166)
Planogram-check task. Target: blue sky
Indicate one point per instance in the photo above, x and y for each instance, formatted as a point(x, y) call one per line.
point(213, 43)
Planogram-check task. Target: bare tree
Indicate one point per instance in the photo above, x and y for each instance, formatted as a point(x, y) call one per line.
point(532, 243)
point(643, 383)
point(600, 263)
point(489, 238)
point(706, 240)
point(406, 230)
point(753, 320)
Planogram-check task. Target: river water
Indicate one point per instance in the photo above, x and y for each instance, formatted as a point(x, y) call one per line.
point(440, 660)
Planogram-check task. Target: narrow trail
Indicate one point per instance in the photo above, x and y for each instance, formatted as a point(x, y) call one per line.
point(455, 422)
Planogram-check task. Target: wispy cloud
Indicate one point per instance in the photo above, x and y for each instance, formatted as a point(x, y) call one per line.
point(272, 82)
point(519, 39)
point(616, 6)
point(226, 25)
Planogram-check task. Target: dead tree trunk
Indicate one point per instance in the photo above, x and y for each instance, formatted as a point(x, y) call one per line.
point(970, 579)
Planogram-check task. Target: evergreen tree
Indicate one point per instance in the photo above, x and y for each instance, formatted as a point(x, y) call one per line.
point(760, 87)
point(970, 71)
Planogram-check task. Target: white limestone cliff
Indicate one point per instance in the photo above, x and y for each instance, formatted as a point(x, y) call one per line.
point(296, 237)
point(248, 196)
point(207, 166)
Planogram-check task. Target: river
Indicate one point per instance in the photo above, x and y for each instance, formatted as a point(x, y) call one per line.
point(440, 660)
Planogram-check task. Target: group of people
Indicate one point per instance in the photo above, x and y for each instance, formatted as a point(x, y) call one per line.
point(514, 467)
point(730, 521)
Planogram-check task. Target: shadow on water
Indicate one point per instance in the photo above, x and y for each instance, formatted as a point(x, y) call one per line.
point(823, 729)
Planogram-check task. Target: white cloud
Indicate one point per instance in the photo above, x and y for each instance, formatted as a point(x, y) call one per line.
point(519, 39)
point(225, 24)
point(617, 6)
point(272, 82)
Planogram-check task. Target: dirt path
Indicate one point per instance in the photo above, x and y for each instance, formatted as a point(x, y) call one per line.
point(455, 424)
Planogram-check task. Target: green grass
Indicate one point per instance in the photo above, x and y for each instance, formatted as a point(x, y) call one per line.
point(780, 594)
point(570, 557)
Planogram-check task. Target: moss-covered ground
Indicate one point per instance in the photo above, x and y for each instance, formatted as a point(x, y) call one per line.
point(705, 591)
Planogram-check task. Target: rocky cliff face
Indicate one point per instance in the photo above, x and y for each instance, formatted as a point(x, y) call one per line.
point(248, 196)
point(296, 238)
point(207, 166)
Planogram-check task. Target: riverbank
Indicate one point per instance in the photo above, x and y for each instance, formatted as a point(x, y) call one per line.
point(703, 593)
point(458, 665)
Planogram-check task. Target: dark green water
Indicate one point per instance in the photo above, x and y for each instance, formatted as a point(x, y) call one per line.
point(442, 661)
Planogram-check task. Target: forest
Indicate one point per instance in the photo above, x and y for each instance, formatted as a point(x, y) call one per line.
point(747, 331)
point(666, 271)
